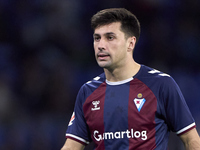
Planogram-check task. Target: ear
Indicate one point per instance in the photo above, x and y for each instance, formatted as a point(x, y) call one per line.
point(131, 42)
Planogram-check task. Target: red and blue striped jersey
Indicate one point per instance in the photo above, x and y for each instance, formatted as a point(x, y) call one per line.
point(137, 113)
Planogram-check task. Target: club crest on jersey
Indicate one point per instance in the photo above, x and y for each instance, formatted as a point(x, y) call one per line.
point(95, 105)
point(139, 101)
point(72, 119)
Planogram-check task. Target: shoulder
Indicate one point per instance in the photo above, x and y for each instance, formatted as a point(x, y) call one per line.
point(90, 86)
point(95, 82)
point(154, 76)
point(157, 81)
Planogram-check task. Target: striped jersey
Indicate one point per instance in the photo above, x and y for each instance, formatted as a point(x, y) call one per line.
point(137, 113)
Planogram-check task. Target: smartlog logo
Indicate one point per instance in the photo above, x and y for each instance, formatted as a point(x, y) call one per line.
point(120, 135)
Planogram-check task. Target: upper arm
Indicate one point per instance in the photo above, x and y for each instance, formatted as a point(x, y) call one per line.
point(191, 140)
point(72, 145)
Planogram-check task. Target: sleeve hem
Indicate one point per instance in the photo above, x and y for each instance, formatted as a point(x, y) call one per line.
point(77, 139)
point(186, 129)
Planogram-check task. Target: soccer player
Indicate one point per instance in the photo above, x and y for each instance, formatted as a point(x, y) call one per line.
point(130, 106)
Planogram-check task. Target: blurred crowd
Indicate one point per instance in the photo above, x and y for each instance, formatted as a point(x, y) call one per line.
point(46, 54)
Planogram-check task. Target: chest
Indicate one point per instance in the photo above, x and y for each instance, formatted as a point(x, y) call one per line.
point(120, 107)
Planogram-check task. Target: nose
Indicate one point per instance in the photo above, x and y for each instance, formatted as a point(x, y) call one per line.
point(101, 45)
point(101, 48)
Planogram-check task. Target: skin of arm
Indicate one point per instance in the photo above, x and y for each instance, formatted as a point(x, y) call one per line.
point(72, 145)
point(191, 140)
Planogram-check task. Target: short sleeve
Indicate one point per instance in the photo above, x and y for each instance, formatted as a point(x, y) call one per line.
point(77, 128)
point(178, 115)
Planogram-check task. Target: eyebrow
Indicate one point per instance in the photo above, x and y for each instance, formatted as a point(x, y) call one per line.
point(106, 34)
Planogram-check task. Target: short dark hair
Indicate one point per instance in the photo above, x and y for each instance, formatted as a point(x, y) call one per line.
point(129, 22)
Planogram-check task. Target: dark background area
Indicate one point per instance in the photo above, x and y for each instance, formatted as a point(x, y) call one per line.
point(46, 54)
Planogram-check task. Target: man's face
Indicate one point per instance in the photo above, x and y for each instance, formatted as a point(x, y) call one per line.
point(110, 46)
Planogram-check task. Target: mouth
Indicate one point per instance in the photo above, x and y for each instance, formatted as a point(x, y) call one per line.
point(102, 56)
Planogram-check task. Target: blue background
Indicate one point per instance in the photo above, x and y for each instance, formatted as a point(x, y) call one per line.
point(46, 54)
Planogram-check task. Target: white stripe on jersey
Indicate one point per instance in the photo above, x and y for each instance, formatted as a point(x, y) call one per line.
point(186, 128)
point(78, 138)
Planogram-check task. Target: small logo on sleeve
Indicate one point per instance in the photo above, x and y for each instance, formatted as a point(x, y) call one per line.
point(139, 101)
point(72, 119)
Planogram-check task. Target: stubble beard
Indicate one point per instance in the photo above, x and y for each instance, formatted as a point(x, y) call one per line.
point(104, 64)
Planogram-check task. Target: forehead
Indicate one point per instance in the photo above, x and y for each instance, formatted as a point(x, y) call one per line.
point(114, 27)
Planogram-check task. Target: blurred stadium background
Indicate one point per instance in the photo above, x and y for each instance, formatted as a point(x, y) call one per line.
point(46, 54)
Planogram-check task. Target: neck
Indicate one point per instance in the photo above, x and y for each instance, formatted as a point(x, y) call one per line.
point(122, 73)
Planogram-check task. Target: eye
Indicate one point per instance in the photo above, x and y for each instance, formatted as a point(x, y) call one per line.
point(97, 38)
point(110, 38)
